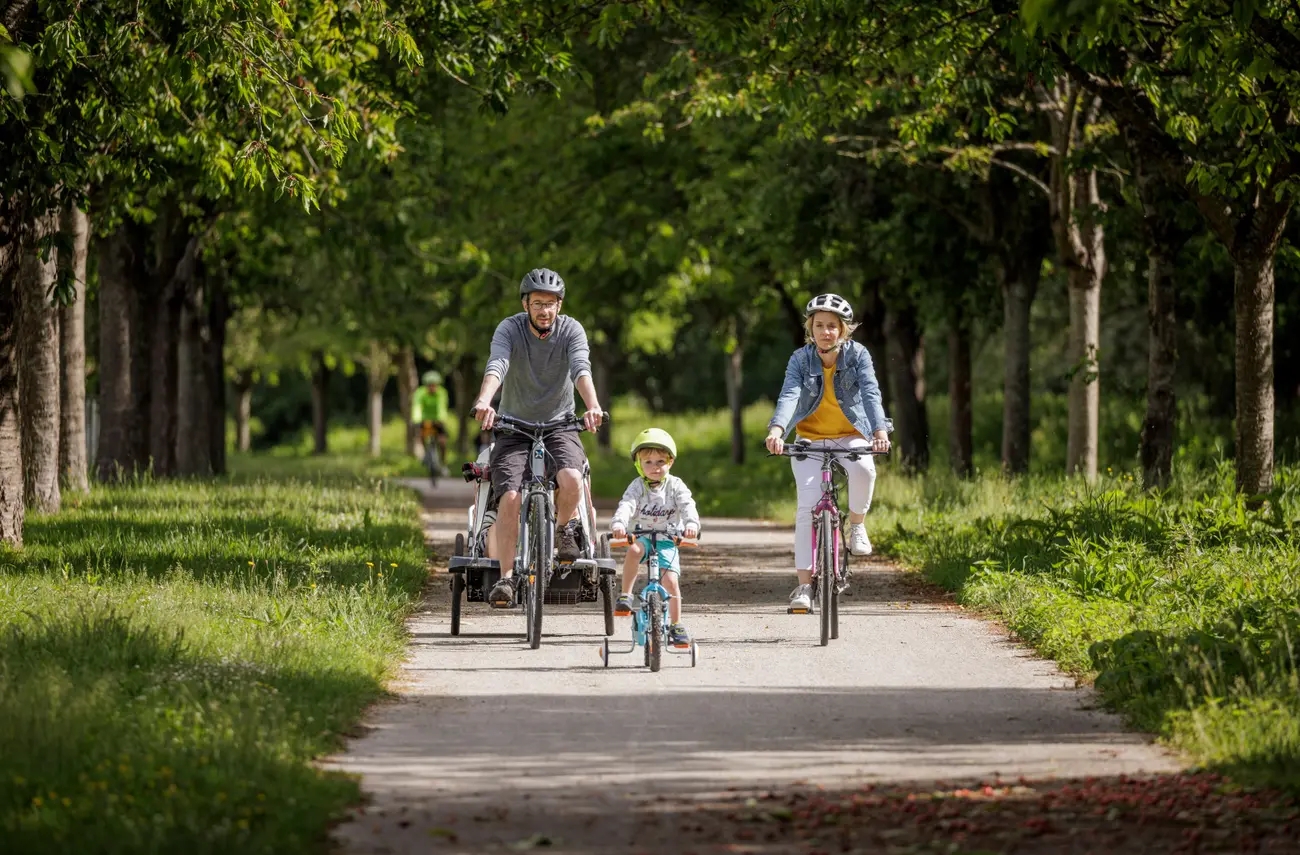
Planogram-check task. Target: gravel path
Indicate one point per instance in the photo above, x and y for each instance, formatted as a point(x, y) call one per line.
point(492, 747)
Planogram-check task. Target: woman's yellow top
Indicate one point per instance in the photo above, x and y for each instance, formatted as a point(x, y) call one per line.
point(828, 420)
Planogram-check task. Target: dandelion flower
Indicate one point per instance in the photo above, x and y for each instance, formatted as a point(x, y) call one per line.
point(252, 564)
point(370, 564)
point(37, 801)
point(392, 565)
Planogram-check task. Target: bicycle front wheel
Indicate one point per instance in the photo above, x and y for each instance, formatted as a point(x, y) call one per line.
point(654, 640)
point(540, 571)
point(825, 572)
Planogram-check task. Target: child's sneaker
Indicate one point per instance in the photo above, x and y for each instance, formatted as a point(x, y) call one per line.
point(801, 600)
point(625, 605)
point(678, 636)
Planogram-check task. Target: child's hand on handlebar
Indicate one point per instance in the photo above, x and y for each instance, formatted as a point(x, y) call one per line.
point(618, 533)
point(691, 532)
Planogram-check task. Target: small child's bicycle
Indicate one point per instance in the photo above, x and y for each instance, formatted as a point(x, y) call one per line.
point(649, 629)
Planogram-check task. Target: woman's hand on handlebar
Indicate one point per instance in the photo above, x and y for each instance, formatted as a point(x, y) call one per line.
point(880, 442)
point(487, 417)
point(775, 444)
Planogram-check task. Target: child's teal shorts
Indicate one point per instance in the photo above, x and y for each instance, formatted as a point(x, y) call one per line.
point(667, 554)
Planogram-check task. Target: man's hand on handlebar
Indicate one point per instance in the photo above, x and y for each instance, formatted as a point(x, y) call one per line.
point(487, 417)
point(593, 419)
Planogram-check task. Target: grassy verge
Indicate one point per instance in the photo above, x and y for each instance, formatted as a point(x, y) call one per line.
point(174, 656)
point(1182, 606)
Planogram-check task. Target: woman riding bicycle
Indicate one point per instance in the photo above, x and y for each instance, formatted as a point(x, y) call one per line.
point(831, 398)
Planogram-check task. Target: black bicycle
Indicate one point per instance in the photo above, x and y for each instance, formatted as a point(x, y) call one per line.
point(535, 552)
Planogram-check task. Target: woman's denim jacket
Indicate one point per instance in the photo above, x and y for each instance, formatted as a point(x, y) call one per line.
point(856, 390)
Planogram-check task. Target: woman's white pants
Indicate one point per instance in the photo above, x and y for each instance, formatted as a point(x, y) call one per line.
point(808, 481)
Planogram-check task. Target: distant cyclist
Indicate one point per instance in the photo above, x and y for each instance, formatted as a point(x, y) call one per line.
point(429, 411)
point(537, 359)
point(830, 397)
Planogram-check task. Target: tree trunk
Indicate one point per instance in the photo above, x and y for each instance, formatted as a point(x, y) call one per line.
point(1253, 296)
point(376, 380)
point(462, 376)
point(961, 447)
point(870, 333)
point(906, 368)
point(194, 395)
point(38, 367)
point(121, 422)
point(1019, 286)
point(735, 389)
point(1085, 387)
point(244, 410)
point(1074, 202)
point(320, 402)
point(1163, 238)
point(12, 509)
point(601, 372)
point(218, 317)
point(408, 381)
point(172, 282)
point(72, 353)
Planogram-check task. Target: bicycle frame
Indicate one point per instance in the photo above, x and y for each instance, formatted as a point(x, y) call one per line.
point(535, 546)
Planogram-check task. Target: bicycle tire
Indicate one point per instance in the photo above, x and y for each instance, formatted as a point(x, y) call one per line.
point(606, 585)
point(825, 573)
point(835, 588)
point(457, 587)
point(542, 537)
point(654, 640)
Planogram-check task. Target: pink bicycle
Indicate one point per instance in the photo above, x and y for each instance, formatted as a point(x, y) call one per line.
point(830, 570)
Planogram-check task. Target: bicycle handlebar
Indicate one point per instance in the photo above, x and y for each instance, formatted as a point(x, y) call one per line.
point(571, 422)
point(672, 532)
point(802, 451)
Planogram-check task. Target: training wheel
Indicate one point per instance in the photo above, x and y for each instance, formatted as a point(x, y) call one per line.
point(695, 653)
point(604, 651)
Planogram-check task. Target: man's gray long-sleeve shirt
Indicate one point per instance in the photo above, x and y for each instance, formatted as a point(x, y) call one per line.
point(537, 375)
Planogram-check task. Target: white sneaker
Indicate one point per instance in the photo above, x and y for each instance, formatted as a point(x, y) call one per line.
point(859, 543)
point(801, 598)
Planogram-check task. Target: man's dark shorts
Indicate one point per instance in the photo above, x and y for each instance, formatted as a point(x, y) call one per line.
point(510, 465)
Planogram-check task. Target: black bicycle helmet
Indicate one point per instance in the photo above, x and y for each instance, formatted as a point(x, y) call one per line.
point(541, 279)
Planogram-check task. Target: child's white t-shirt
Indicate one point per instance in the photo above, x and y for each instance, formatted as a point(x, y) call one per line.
point(668, 502)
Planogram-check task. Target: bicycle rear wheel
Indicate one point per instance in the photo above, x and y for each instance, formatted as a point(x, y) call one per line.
point(654, 640)
point(825, 573)
point(540, 571)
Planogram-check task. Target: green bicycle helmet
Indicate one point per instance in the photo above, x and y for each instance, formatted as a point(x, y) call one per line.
point(431, 378)
point(652, 438)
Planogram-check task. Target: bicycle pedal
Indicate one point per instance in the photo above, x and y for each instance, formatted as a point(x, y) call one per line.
point(798, 611)
point(682, 646)
point(626, 613)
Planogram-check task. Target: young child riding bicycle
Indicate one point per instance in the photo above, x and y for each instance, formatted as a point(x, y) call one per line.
point(655, 498)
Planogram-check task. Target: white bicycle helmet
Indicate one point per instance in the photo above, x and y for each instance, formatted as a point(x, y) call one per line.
point(833, 303)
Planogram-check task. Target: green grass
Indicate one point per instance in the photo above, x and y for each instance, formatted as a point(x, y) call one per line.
point(174, 656)
point(1183, 607)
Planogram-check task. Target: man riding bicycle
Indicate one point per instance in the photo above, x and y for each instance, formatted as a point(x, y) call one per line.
point(429, 411)
point(550, 357)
